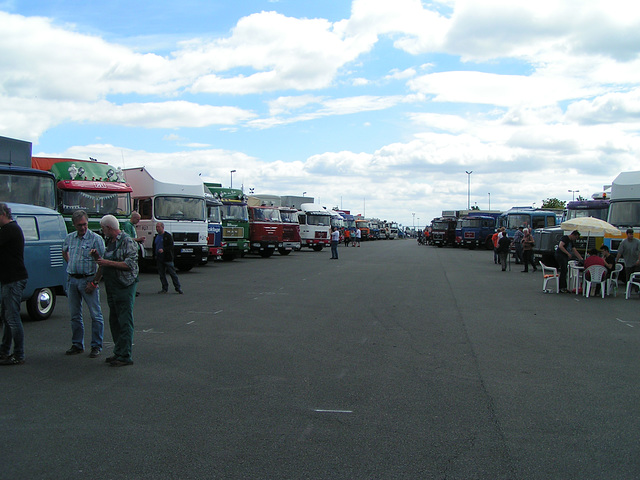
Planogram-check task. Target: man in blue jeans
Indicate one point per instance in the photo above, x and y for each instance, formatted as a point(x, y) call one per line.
point(82, 283)
point(13, 279)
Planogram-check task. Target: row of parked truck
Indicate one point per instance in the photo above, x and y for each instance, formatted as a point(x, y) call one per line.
point(206, 220)
point(618, 203)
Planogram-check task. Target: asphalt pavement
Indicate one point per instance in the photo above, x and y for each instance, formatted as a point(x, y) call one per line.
point(395, 361)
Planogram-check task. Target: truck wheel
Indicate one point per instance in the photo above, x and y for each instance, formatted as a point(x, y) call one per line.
point(228, 257)
point(488, 244)
point(184, 266)
point(282, 251)
point(266, 253)
point(41, 304)
point(317, 248)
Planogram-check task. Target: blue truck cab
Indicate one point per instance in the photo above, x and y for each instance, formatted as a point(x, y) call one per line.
point(526, 217)
point(477, 230)
point(44, 232)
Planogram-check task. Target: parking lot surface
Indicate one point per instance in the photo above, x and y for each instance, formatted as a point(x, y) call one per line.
point(396, 361)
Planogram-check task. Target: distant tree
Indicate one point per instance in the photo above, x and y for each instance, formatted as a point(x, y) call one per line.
point(475, 207)
point(553, 203)
point(581, 199)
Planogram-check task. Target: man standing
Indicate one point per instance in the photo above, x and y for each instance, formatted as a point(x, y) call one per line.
point(120, 267)
point(565, 251)
point(503, 250)
point(358, 237)
point(629, 250)
point(82, 283)
point(335, 240)
point(130, 227)
point(517, 241)
point(13, 279)
point(163, 248)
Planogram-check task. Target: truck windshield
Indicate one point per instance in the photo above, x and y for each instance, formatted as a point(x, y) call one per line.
point(235, 212)
point(324, 220)
point(289, 217)
point(179, 208)
point(472, 223)
point(28, 189)
point(600, 213)
point(96, 203)
point(213, 214)
point(266, 215)
point(440, 225)
point(624, 214)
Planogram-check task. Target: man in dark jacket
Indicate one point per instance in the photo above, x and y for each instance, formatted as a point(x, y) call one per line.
point(13, 278)
point(163, 249)
point(503, 249)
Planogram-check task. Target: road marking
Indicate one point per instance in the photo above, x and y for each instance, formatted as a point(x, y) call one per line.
point(150, 330)
point(332, 411)
point(206, 313)
point(626, 323)
point(192, 321)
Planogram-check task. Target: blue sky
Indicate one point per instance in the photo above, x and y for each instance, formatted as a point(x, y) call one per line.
point(365, 102)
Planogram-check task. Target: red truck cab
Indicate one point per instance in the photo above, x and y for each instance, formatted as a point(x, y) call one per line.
point(265, 230)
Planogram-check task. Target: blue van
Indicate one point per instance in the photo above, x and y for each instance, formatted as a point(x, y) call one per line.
point(44, 233)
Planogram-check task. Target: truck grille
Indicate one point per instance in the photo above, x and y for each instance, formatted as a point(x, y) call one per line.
point(185, 237)
point(321, 234)
point(232, 232)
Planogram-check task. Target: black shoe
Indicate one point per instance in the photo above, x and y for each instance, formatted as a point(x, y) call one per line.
point(95, 351)
point(524, 271)
point(162, 291)
point(120, 363)
point(12, 360)
point(137, 294)
point(179, 291)
point(74, 350)
point(110, 359)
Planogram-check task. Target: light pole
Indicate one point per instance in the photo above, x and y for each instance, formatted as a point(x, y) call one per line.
point(232, 172)
point(469, 189)
point(304, 193)
point(418, 223)
point(489, 200)
point(573, 194)
point(414, 222)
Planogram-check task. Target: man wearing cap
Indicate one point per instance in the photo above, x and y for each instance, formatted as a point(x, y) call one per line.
point(565, 251)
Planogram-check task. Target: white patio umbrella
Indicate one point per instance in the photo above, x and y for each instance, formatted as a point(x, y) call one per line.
point(590, 226)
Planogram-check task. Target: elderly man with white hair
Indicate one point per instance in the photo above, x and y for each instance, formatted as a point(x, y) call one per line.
point(527, 251)
point(120, 272)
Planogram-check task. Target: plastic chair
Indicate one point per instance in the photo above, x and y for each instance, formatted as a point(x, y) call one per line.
point(634, 279)
point(597, 276)
point(548, 275)
point(612, 282)
point(573, 276)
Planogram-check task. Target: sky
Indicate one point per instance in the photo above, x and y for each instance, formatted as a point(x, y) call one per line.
point(374, 106)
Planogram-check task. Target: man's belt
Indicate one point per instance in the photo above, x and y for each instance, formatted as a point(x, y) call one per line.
point(81, 275)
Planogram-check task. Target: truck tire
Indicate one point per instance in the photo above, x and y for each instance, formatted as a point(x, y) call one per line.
point(317, 248)
point(228, 257)
point(41, 304)
point(282, 251)
point(266, 253)
point(184, 266)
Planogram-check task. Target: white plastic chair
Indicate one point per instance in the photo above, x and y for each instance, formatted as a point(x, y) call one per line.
point(634, 279)
point(612, 282)
point(597, 276)
point(548, 275)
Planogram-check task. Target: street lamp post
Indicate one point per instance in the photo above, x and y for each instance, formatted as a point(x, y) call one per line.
point(304, 193)
point(469, 189)
point(489, 200)
point(573, 194)
point(232, 172)
point(414, 222)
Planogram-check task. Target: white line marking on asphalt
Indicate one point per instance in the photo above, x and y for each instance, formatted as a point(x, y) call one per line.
point(205, 313)
point(150, 330)
point(332, 411)
point(626, 323)
point(192, 321)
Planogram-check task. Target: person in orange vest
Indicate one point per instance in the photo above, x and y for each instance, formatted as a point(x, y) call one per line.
point(347, 237)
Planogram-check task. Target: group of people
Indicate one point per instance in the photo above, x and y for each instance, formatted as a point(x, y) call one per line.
point(348, 235)
point(523, 241)
point(90, 259)
point(628, 252)
point(335, 240)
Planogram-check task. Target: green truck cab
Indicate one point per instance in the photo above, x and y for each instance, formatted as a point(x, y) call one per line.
point(235, 220)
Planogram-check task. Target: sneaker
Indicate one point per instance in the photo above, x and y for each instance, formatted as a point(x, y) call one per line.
point(121, 363)
point(74, 350)
point(95, 351)
point(179, 290)
point(564, 290)
point(162, 291)
point(110, 359)
point(12, 360)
